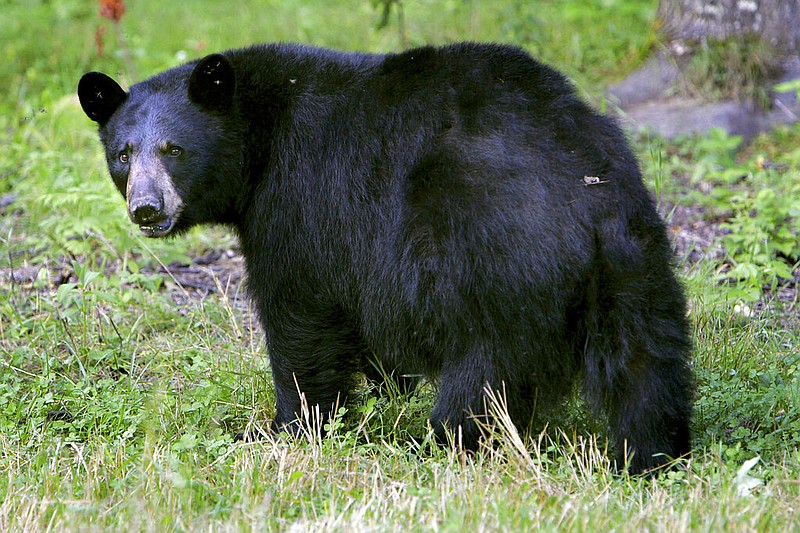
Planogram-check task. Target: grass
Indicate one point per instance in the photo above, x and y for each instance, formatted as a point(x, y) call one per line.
point(732, 69)
point(121, 389)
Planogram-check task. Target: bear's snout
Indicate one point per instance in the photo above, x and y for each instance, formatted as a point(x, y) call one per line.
point(153, 203)
point(147, 210)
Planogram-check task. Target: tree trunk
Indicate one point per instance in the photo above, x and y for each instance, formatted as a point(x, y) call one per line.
point(777, 22)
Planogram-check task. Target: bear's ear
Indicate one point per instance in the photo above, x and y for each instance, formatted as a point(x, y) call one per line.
point(212, 83)
point(100, 96)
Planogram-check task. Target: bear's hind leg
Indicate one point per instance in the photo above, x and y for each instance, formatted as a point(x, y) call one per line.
point(649, 411)
point(638, 370)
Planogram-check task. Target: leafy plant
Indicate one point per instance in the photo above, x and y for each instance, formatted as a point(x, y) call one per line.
point(762, 241)
point(755, 198)
point(789, 86)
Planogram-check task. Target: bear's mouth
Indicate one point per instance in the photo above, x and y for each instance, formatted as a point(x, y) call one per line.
point(157, 229)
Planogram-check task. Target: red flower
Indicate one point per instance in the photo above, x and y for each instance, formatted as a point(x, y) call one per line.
point(112, 9)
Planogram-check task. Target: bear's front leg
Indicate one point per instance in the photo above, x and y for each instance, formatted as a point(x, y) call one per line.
point(314, 367)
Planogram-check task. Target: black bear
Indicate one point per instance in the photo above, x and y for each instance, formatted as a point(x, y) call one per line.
point(455, 212)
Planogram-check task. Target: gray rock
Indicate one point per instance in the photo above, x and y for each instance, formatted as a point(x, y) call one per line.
point(643, 101)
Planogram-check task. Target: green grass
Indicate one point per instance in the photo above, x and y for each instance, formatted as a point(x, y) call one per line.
point(121, 390)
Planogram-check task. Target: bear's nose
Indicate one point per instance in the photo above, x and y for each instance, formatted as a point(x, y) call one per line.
point(146, 210)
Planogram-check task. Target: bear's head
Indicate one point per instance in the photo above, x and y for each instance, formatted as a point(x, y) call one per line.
point(172, 144)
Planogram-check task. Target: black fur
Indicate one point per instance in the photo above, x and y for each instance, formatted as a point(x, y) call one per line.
point(455, 212)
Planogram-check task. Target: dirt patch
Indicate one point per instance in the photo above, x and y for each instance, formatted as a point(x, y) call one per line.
point(695, 238)
point(218, 271)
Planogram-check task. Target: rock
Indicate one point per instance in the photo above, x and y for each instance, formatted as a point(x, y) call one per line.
point(643, 101)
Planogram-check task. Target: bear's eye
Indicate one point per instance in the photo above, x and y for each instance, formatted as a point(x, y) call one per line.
point(175, 151)
point(124, 157)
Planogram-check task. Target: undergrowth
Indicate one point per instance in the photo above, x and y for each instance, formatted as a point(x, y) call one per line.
point(751, 194)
